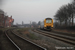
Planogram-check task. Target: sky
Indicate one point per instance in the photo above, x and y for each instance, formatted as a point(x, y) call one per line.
point(32, 10)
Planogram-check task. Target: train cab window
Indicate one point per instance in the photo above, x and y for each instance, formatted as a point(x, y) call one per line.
point(48, 21)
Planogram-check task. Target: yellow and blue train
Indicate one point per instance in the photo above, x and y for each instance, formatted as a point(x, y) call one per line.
point(47, 24)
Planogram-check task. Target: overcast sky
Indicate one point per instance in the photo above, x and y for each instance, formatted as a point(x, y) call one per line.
point(32, 10)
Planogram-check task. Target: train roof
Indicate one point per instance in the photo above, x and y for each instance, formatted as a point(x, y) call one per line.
point(48, 18)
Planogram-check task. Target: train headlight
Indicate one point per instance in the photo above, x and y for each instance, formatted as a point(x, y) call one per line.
point(44, 25)
point(52, 25)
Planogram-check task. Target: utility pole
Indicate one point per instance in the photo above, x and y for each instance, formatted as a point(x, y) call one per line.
point(30, 24)
point(22, 23)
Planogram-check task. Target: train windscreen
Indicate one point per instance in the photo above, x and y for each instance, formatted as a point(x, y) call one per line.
point(48, 21)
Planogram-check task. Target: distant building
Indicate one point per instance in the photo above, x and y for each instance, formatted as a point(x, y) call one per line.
point(9, 21)
point(5, 21)
point(1, 18)
point(27, 25)
point(34, 24)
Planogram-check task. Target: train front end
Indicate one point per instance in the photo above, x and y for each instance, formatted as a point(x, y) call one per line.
point(48, 23)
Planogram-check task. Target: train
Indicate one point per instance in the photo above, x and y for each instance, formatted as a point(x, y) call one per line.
point(47, 24)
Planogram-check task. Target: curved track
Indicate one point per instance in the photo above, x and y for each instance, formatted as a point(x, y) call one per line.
point(22, 44)
point(64, 38)
point(12, 41)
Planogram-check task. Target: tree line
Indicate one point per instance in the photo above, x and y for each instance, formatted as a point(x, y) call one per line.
point(66, 14)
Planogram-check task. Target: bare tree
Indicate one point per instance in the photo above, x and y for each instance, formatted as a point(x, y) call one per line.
point(66, 13)
point(62, 15)
point(73, 11)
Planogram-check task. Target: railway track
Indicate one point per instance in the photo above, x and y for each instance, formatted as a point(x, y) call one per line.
point(64, 38)
point(12, 41)
point(5, 43)
point(21, 43)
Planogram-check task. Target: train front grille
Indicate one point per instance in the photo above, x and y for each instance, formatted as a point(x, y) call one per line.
point(48, 27)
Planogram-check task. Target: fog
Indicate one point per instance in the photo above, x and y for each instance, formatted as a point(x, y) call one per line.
point(31, 10)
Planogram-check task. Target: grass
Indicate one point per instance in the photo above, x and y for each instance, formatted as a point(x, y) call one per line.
point(27, 34)
point(3, 29)
point(22, 29)
point(32, 36)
